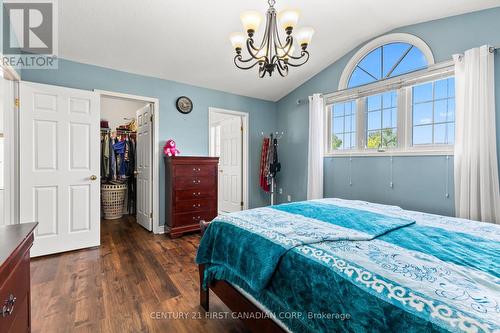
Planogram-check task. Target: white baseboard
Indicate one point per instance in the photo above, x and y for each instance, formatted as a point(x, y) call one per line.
point(161, 230)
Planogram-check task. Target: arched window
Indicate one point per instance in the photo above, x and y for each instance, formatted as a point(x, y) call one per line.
point(387, 61)
point(375, 110)
point(385, 57)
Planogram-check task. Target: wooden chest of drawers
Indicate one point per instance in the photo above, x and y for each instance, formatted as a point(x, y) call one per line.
point(190, 193)
point(15, 298)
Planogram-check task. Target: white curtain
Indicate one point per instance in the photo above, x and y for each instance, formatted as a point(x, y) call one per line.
point(477, 194)
point(315, 155)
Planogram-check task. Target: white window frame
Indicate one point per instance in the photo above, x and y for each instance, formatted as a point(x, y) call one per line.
point(381, 41)
point(403, 85)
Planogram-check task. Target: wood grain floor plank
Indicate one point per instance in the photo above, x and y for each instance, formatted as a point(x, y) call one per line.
point(123, 285)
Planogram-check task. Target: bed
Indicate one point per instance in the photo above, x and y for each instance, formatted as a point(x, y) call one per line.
point(334, 265)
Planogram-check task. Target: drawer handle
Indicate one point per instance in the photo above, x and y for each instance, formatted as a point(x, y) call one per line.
point(196, 205)
point(196, 181)
point(196, 169)
point(196, 218)
point(196, 194)
point(8, 307)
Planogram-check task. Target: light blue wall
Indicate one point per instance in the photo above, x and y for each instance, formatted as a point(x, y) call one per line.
point(419, 182)
point(189, 131)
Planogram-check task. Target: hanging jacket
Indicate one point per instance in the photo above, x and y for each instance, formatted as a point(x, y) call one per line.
point(105, 155)
point(112, 160)
point(275, 165)
point(119, 148)
point(263, 165)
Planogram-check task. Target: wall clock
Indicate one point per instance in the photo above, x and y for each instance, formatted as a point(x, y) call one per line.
point(184, 104)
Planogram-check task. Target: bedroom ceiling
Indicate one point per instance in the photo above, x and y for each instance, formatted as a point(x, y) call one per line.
point(187, 40)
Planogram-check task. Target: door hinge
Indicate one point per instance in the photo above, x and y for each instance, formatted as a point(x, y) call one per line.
point(16, 102)
point(241, 204)
point(242, 128)
point(151, 119)
point(151, 215)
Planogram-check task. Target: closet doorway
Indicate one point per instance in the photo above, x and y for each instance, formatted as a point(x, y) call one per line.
point(228, 140)
point(128, 167)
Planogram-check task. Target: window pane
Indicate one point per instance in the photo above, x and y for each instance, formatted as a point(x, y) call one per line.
point(451, 87)
point(422, 113)
point(441, 89)
point(440, 110)
point(451, 133)
point(389, 118)
point(347, 141)
point(372, 64)
point(374, 102)
point(392, 53)
point(343, 125)
point(389, 60)
point(438, 113)
point(336, 141)
point(374, 120)
point(413, 61)
point(358, 78)
point(422, 93)
point(338, 110)
point(440, 133)
point(422, 135)
point(389, 99)
point(338, 125)
point(381, 120)
point(374, 139)
point(389, 137)
point(451, 110)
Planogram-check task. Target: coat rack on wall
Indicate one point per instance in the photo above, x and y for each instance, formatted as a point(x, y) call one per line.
point(274, 166)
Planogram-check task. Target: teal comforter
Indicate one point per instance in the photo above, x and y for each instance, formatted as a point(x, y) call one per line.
point(337, 265)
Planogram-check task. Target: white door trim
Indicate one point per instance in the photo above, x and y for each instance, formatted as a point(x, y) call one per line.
point(245, 118)
point(11, 143)
point(156, 150)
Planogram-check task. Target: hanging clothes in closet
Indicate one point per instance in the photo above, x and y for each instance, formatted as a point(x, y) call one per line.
point(118, 161)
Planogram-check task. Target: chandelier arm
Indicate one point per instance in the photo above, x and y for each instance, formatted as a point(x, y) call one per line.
point(288, 48)
point(303, 55)
point(264, 39)
point(249, 49)
point(277, 36)
point(262, 71)
point(282, 68)
point(239, 58)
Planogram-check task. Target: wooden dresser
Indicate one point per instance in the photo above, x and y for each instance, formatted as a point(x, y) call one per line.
point(190, 193)
point(15, 297)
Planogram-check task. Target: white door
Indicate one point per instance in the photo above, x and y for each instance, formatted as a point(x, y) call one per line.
point(59, 167)
point(230, 165)
point(144, 170)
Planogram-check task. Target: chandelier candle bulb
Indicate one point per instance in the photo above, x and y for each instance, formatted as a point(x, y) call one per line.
point(237, 40)
point(288, 19)
point(304, 36)
point(251, 21)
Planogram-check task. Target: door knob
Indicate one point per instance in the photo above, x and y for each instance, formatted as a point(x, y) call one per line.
point(93, 177)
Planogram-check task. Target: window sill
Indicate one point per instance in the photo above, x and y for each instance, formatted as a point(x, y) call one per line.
point(415, 152)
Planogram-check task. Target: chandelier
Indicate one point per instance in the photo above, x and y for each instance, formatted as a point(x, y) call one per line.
point(272, 53)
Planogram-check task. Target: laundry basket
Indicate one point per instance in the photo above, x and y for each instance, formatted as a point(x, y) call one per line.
point(113, 199)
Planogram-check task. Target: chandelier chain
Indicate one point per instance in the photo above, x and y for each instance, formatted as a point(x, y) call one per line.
point(271, 2)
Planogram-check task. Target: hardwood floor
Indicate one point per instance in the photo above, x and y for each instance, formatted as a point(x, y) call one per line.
point(120, 286)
